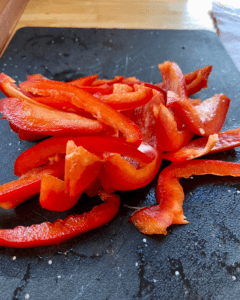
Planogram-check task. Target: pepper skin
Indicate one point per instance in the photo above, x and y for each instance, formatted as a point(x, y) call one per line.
point(170, 195)
point(61, 230)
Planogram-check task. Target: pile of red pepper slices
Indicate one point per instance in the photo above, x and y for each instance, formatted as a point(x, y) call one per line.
point(100, 136)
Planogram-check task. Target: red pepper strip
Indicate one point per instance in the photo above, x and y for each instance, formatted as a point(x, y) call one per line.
point(204, 119)
point(155, 87)
point(194, 149)
point(226, 140)
point(116, 79)
point(170, 195)
point(122, 88)
point(173, 78)
point(15, 192)
point(81, 99)
point(169, 137)
point(197, 80)
point(53, 196)
point(26, 135)
point(125, 101)
point(10, 89)
point(39, 154)
point(45, 120)
point(81, 168)
point(122, 176)
point(102, 89)
point(35, 76)
point(83, 81)
point(61, 230)
point(195, 101)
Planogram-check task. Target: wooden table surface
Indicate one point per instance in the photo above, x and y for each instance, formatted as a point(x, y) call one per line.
point(157, 14)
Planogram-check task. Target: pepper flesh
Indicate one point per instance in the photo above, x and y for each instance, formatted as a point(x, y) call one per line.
point(170, 194)
point(62, 230)
point(53, 196)
point(95, 144)
point(81, 99)
point(15, 192)
point(226, 140)
point(203, 119)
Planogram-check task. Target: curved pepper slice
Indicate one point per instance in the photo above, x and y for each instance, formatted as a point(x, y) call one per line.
point(170, 195)
point(203, 119)
point(81, 99)
point(116, 79)
point(53, 196)
point(223, 141)
point(95, 144)
point(45, 120)
point(169, 136)
point(173, 78)
point(125, 101)
point(10, 89)
point(15, 192)
point(197, 80)
point(81, 168)
point(61, 230)
point(83, 81)
point(121, 175)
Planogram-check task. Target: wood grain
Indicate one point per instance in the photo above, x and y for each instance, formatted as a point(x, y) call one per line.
point(164, 14)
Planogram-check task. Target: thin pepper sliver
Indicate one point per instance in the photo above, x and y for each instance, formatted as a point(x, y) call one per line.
point(170, 194)
point(62, 230)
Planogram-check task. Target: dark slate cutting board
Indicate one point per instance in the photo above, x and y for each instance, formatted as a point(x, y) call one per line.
point(197, 261)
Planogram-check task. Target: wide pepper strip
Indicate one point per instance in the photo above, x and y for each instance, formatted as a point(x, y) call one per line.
point(173, 78)
point(197, 80)
point(203, 119)
point(81, 168)
point(224, 141)
point(44, 120)
point(170, 194)
point(81, 99)
point(169, 136)
point(123, 176)
point(15, 192)
point(39, 154)
point(60, 231)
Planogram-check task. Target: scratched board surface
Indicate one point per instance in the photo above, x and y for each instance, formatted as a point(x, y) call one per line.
point(196, 261)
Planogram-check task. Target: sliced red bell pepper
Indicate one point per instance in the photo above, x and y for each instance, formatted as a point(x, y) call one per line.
point(122, 88)
point(95, 144)
point(26, 135)
point(197, 80)
point(81, 99)
point(53, 196)
point(61, 230)
point(81, 168)
point(116, 79)
point(122, 176)
point(170, 135)
point(83, 81)
point(204, 119)
point(225, 140)
point(124, 101)
point(173, 79)
point(10, 89)
point(170, 195)
point(44, 120)
point(15, 192)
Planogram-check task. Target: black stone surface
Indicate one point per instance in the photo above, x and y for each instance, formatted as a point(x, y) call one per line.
point(197, 261)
